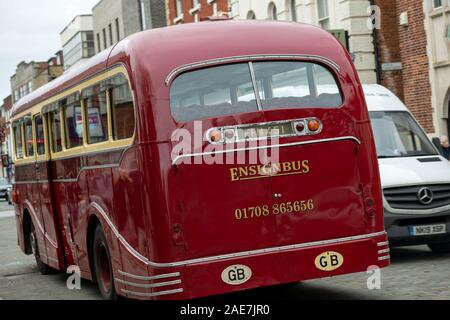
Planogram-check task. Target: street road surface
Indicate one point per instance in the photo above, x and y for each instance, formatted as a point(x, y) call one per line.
point(415, 273)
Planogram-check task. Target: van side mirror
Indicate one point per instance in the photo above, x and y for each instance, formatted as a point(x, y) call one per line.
point(437, 142)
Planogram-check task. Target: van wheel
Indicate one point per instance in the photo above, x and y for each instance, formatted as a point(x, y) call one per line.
point(102, 265)
point(440, 247)
point(42, 267)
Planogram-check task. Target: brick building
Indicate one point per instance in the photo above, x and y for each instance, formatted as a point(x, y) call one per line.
point(32, 75)
point(184, 11)
point(114, 20)
point(403, 63)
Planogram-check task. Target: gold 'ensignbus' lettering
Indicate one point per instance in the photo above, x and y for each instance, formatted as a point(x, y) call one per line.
point(264, 171)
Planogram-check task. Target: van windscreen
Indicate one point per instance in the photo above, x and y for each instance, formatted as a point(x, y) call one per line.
point(229, 89)
point(397, 135)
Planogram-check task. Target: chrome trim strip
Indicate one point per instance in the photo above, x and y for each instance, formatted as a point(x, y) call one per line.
point(259, 57)
point(388, 257)
point(144, 278)
point(146, 261)
point(30, 182)
point(354, 139)
point(39, 225)
point(384, 251)
point(148, 286)
point(155, 294)
point(255, 86)
point(103, 166)
point(382, 244)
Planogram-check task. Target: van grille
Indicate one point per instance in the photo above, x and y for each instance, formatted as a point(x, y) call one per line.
point(407, 197)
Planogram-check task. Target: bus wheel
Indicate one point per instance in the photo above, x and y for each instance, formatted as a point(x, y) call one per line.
point(440, 247)
point(102, 265)
point(42, 267)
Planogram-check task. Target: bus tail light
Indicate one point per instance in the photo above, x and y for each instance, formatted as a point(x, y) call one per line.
point(14, 196)
point(215, 136)
point(313, 125)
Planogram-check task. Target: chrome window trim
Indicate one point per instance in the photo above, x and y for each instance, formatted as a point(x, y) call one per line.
point(175, 72)
point(354, 139)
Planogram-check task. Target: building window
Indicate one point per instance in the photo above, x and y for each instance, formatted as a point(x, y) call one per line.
point(142, 17)
point(437, 4)
point(324, 18)
point(111, 41)
point(105, 45)
point(99, 44)
point(96, 114)
point(81, 46)
point(179, 7)
point(117, 30)
point(293, 9)
point(122, 108)
point(251, 15)
point(272, 11)
point(30, 86)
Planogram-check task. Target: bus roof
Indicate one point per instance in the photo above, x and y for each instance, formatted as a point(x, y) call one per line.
point(379, 98)
point(162, 50)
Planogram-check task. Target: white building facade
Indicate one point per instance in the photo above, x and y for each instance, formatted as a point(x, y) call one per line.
point(77, 40)
point(437, 27)
point(349, 16)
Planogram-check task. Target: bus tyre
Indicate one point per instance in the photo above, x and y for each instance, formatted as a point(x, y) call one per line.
point(42, 267)
point(102, 265)
point(440, 247)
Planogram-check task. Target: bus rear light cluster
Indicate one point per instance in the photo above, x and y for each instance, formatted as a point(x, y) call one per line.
point(313, 125)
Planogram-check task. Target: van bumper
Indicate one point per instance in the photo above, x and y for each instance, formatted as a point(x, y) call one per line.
point(203, 277)
point(398, 228)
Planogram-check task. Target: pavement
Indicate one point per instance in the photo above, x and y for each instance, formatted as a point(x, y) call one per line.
point(415, 273)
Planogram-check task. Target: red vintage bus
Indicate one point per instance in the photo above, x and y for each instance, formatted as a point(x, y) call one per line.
point(97, 185)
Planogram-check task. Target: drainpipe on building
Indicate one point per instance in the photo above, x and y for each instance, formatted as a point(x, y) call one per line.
point(375, 45)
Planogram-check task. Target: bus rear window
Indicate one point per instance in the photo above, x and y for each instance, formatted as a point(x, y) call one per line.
point(213, 92)
point(227, 90)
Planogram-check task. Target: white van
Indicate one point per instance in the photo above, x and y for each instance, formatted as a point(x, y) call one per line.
point(414, 176)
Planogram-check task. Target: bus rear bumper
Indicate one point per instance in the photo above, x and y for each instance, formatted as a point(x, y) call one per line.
point(280, 265)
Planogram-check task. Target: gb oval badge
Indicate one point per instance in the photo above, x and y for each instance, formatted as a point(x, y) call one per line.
point(236, 274)
point(329, 261)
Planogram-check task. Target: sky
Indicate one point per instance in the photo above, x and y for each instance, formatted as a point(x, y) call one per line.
point(29, 30)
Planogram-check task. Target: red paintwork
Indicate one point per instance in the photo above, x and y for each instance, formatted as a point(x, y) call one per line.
point(170, 214)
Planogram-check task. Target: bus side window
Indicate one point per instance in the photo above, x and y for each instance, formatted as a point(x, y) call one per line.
point(96, 114)
point(122, 108)
point(73, 121)
point(39, 132)
point(29, 141)
point(18, 142)
point(55, 127)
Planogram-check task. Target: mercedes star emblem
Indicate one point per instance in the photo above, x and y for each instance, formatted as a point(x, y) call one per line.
point(425, 196)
